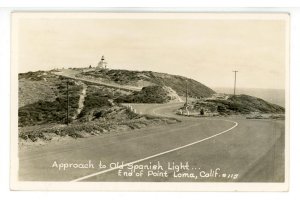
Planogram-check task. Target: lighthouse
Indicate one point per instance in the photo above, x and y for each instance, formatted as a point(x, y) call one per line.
point(102, 64)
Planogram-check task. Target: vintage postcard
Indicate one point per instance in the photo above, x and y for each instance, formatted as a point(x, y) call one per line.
point(150, 101)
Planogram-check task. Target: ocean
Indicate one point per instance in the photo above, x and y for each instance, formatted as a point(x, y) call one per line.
point(275, 96)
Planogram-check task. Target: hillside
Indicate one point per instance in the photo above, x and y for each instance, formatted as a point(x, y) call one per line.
point(43, 98)
point(148, 78)
point(93, 109)
point(33, 83)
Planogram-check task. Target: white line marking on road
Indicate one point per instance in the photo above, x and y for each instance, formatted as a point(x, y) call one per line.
point(155, 155)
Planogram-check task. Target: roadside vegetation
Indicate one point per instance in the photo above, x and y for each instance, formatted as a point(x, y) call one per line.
point(235, 105)
point(96, 127)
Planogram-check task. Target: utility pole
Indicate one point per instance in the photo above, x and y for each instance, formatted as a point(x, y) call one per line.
point(68, 102)
point(234, 81)
point(186, 93)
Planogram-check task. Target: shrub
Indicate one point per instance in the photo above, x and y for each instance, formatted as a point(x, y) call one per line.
point(221, 109)
point(202, 112)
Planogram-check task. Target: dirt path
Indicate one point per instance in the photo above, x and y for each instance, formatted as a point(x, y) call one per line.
point(81, 101)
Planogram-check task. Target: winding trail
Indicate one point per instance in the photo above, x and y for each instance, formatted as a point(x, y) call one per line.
point(81, 101)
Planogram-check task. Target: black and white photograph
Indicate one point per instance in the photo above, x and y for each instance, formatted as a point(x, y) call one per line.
point(150, 101)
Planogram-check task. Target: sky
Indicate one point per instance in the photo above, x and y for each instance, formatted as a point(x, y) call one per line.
point(204, 49)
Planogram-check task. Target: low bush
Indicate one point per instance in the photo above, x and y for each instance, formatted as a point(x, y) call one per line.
point(150, 94)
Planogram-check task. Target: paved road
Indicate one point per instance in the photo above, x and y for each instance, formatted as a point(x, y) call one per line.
point(251, 151)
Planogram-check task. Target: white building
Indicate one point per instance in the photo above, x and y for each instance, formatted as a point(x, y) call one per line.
point(102, 63)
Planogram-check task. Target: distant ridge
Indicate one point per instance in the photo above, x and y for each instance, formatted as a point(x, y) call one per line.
point(275, 96)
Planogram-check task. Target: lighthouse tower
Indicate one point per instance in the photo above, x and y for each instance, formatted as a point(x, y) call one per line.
point(102, 64)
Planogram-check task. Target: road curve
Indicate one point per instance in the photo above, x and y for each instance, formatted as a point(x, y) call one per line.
point(235, 124)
